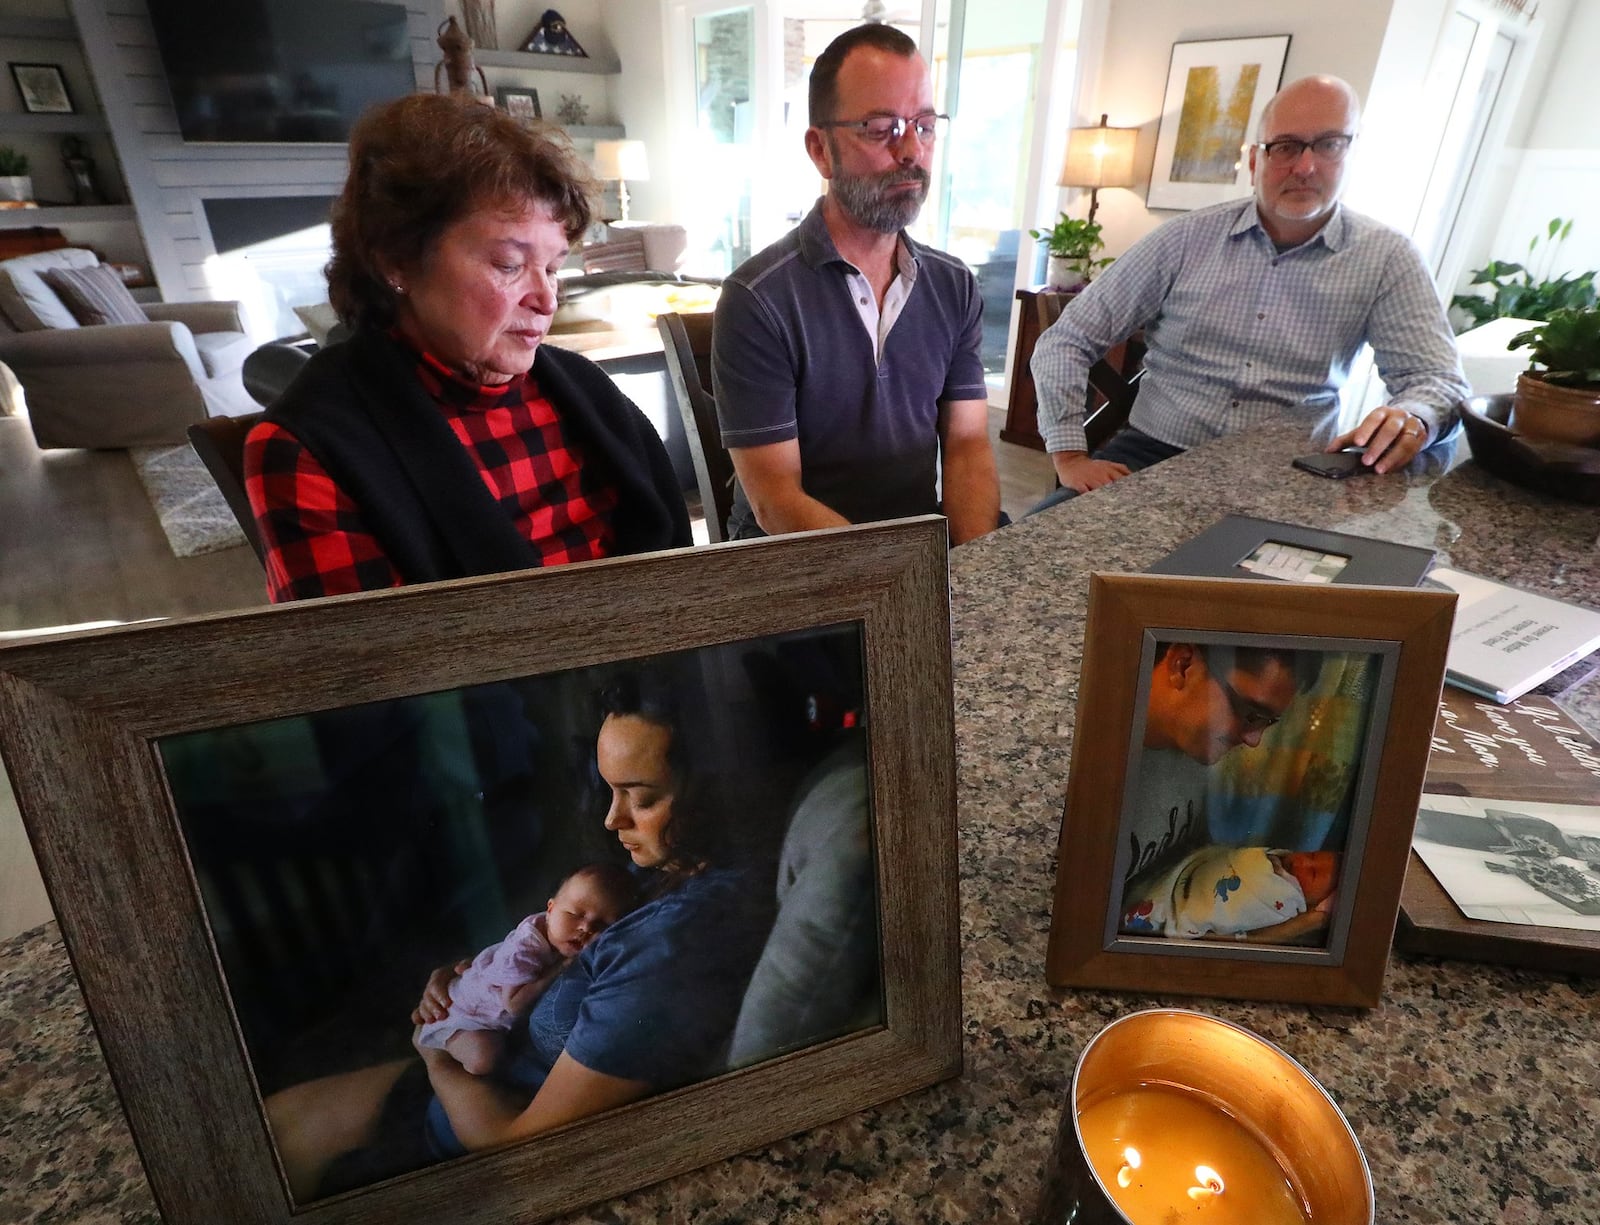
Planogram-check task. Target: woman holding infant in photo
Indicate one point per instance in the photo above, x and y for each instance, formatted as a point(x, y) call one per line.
point(647, 1005)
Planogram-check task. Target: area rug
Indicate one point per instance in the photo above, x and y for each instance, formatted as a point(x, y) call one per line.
point(192, 510)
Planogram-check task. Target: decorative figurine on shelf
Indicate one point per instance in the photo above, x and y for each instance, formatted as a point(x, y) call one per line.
point(573, 111)
point(457, 63)
point(479, 16)
point(551, 37)
point(80, 169)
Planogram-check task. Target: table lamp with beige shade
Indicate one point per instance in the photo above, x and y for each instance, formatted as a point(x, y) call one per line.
point(621, 160)
point(1099, 157)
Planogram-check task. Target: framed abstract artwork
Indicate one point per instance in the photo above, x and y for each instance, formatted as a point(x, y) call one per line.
point(1216, 91)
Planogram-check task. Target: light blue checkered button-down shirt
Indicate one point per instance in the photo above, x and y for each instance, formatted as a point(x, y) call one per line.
point(1237, 331)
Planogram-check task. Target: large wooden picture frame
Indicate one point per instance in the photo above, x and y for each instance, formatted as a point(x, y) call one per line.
point(129, 748)
point(1246, 763)
point(1216, 91)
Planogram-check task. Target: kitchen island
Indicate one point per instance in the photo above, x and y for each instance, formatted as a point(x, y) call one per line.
point(1474, 1089)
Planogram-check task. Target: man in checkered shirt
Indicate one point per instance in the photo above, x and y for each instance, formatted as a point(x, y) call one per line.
point(1255, 306)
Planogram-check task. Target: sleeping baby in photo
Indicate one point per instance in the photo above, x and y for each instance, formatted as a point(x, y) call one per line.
point(505, 979)
point(1230, 891)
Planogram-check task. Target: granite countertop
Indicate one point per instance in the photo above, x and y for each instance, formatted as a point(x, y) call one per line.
point(1475, 1090)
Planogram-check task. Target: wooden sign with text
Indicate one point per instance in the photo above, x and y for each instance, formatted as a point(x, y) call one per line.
point(1527, 750)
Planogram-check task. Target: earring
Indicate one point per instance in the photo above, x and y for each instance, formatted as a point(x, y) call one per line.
point(397, 287)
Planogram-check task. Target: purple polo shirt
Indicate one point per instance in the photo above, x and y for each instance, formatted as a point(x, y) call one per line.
point(791, 359)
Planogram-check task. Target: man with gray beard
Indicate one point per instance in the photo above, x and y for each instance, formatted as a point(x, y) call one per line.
point(845, 357)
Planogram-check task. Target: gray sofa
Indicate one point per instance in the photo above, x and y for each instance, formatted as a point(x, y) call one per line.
point(117, 385)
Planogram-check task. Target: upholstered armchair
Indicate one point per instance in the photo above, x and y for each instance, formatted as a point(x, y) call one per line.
point(116, 384)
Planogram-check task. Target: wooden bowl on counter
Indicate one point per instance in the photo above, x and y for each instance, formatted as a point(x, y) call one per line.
point(1562, 469)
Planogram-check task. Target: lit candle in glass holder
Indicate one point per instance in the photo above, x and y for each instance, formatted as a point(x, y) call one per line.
point(1176, 1117)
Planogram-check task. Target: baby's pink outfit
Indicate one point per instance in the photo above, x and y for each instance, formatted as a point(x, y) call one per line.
point(477, 997)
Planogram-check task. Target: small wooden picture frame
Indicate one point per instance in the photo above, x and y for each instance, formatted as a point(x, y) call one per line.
point(43, 89)
point(259, 831)
point(519, 103)
point(1245, 771)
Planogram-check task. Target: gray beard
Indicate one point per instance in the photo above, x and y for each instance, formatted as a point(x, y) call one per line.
point(864, 199)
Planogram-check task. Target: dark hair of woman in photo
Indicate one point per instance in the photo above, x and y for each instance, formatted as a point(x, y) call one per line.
point(444, 438)
point(650, 1003)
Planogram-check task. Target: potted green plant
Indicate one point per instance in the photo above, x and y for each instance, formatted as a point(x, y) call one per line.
point(14, 181)
point(1558, 397)
point(1073, 244)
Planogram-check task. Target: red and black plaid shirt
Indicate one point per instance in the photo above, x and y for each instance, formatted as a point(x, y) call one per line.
point(317, 543)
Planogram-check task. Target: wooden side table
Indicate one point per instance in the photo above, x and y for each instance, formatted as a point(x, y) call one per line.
point(1022, 404)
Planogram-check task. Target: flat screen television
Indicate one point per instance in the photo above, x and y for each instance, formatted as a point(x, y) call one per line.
point(280, 70)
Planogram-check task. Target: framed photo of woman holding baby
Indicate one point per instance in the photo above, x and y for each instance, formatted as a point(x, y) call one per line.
point(1272, 741)
point(486, 900)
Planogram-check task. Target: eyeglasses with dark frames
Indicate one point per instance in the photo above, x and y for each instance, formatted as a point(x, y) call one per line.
point(1253, 716)
point(1286, 150)
point(884, 129)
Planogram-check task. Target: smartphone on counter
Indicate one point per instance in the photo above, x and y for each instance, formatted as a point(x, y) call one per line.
point(1335, 466)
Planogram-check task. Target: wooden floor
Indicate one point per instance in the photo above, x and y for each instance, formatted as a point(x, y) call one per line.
point(1025, 475)
point(79, 543)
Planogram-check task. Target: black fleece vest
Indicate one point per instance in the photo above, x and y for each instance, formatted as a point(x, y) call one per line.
point(361, 412)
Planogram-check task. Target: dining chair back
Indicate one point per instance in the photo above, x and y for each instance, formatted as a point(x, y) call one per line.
point(219, 442)
point(687, 344)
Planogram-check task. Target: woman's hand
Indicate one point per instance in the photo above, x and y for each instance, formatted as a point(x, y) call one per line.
point(430, 1054)
point(435, 1002)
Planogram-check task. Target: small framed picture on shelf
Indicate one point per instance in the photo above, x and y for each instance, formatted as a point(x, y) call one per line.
point(43, 89)
point(1245, 766)
point(519, 103)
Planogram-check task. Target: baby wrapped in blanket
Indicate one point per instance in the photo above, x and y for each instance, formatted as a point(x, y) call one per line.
point(1229, 890)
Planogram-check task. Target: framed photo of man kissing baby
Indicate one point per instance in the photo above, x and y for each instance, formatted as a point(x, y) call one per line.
point(485, 900)
point(1268, 744)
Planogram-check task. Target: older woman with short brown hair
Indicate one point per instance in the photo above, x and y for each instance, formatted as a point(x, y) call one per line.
point(443, 439)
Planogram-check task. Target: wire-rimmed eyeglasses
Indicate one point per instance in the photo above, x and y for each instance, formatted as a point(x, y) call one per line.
point(882, 129)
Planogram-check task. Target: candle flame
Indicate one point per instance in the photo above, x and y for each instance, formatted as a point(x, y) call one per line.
point(1210, 1183)
point(1130, 1162)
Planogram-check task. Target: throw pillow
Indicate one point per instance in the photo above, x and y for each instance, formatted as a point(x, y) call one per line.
point(95, 295)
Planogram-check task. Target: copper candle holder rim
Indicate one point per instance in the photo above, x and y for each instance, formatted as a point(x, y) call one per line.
point(1206, 1018)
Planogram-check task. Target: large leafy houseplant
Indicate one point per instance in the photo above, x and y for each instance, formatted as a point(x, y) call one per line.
point(1073, 244)
point(1516, 291)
